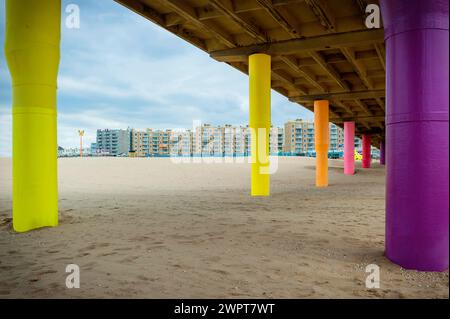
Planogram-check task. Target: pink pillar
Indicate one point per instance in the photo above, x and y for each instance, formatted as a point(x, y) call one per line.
point(349, 148)
point(366, 151)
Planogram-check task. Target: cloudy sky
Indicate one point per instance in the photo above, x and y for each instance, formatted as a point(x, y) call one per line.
point(119, 70)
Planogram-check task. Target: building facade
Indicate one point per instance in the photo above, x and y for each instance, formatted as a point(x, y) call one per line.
point(299, 138)
point(295, 138)
point(113, 142)
point(276, 140)
point(139, 143)
point(181, 143)
point(159, 142)
point(208, 140)
point(229, 140)
point(242, 141)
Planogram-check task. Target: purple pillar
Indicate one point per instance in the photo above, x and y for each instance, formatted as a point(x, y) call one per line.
point(366, 150)
point(417, 55)
point(382, 152)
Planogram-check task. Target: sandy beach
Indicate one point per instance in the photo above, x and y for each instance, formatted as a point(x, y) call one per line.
point(149, 228)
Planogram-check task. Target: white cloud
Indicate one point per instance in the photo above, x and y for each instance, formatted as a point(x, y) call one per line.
point(120, 70)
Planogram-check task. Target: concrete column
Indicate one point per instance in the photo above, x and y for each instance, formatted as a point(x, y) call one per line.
point(259, 74)
point(382, 153)
point(366, 151)
point(349, 148)
point(417, 103)
point(321, 141)
point(32, 53)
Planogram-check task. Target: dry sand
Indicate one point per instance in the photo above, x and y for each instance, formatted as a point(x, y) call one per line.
point(149, 228)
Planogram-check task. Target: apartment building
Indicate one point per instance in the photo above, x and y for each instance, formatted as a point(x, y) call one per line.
point(159, 142)
point(276, 140)
point(229, 140)
point(139, 143)
point(181, 143)
point(113, 142)
point(242, 141)
point(299, 137)
point(295, 138)
point(208, 140)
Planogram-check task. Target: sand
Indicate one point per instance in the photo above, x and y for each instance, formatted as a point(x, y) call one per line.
point(149, 228)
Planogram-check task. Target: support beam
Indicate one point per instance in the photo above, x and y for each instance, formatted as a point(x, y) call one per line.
point(188, 13)
point(372, 94)
point(363, 107)
point(349, 148)
point(322, 12)
point(381, 103)
point(228, 11)
point(370, 119)
point(417, 206)
point(277, 75)
point(343, 106)
point(259, 74)
point(329, 69)
point(292, 63)
point(205, 13)
point(365, 124)
point(321, 141)
point(350, 56)
point(381, 52)
point(170, 22)
point(32, 54)
point(288, 47)
point(269, 6)
point(366, 151)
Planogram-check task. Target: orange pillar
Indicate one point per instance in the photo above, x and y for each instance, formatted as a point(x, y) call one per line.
point(321, 141)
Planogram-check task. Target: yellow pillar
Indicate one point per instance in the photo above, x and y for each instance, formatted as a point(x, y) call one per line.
point(259, 73)
point(32, 53)
point(321, 141)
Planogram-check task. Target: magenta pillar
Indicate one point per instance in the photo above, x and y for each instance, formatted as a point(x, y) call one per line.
point(382, 153)
point(417, 55)
point(366, 156)
point(349, 148)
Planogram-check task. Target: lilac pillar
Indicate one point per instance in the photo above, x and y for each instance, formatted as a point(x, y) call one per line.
point(382, 153)
point(366, 150)
point(417, 55)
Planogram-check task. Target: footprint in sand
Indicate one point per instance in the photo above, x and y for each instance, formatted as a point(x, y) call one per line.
point(213, 259)
point(83, 254)
point(6, 221)
point(129, 259)
point(88, 266)
point(221, 272)
point(107, 254)
point(46, 272)
point(143, 278)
